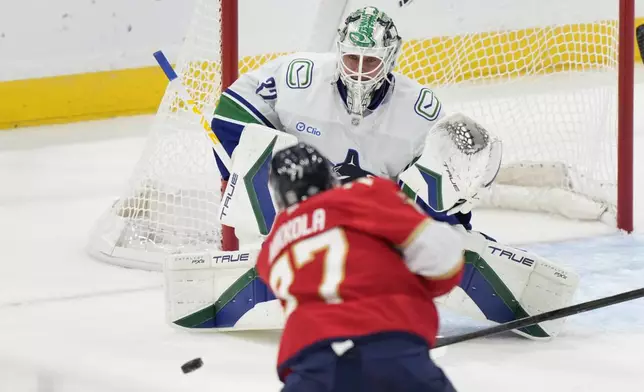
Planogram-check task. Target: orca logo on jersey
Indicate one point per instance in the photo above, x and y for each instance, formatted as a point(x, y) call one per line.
point(301, 127)
point(350, 169)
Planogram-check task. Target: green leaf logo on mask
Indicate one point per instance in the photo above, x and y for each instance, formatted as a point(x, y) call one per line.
point(361, 39)
point(364, 36)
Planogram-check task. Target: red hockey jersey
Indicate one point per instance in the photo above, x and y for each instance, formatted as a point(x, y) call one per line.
point(339, 263)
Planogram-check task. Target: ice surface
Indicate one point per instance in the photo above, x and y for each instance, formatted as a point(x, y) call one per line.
point(69, 323)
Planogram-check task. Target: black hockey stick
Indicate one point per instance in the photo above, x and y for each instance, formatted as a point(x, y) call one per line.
point(639, 37)
point(539, 318)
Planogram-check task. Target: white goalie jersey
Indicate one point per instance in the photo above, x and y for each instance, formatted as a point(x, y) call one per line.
point(398, 131)
point(299, 94)
point(440, 161)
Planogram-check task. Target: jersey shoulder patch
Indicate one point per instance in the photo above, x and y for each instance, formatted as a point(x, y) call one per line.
point(299, 73)
point(427, 105)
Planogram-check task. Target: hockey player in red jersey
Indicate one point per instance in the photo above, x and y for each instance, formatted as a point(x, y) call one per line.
point(356, 269)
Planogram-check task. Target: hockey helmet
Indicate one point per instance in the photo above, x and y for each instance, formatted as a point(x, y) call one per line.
point(299, 172)
point(368, 46)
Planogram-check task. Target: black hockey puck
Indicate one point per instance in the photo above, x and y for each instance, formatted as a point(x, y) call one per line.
point(191, 365)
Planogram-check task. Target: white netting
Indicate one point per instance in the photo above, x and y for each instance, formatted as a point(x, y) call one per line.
point(548, 90)
point(172, 199)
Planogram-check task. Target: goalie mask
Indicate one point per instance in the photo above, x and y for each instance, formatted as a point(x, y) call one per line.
point(299, 172)
point(368, 46)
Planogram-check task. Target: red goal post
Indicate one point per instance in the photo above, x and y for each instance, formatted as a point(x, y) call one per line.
point(625, 115)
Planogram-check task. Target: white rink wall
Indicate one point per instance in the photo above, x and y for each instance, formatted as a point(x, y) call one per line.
point(57, 37)
point(46, 38)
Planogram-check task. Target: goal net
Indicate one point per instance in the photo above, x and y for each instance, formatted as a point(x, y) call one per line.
point(541, 74)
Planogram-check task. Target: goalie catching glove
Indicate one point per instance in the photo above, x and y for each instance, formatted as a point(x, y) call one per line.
point(459, 163)
point(460, 160)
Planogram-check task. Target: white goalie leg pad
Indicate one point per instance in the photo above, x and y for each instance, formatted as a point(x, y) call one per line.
point(247, 204)
point(195, 282)
point(459, 158)
point(537, 284)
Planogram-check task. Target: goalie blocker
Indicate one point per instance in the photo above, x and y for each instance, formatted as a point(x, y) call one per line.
point(221, 290)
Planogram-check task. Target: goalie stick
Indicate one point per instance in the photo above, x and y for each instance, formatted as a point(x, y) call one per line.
point(187, 99)
point(539, 318)
point(520, 323)
point(515, 324)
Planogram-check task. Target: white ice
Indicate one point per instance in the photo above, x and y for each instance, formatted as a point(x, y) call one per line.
point(69, 323)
